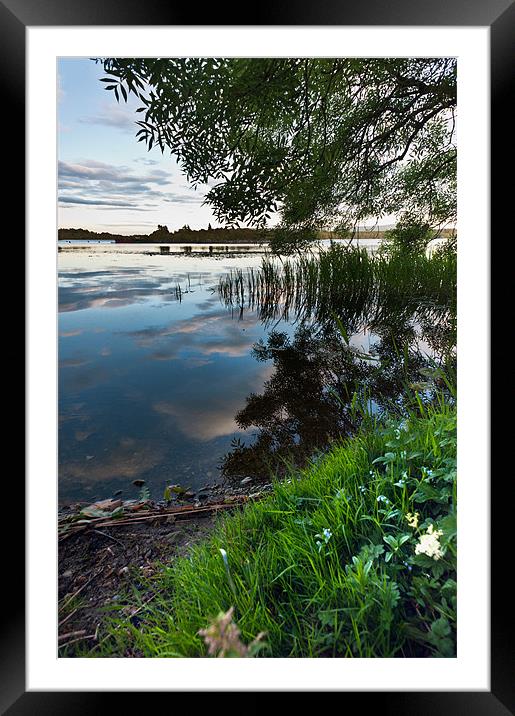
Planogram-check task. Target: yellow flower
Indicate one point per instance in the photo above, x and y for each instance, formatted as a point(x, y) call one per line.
point(412, 519)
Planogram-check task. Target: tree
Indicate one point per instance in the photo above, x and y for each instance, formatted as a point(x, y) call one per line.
point(326, 142)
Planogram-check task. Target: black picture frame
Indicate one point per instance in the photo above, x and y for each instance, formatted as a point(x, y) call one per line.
point(499, 16)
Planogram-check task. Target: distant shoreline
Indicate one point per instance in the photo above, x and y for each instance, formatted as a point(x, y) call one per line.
point(163, 236)
point(204, 236)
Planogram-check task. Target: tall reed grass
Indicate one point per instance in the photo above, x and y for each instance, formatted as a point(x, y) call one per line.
point(351, 283)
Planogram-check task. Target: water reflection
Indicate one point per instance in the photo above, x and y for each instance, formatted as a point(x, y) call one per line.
point(363, 347)
point(148, 389)
point(167, 386)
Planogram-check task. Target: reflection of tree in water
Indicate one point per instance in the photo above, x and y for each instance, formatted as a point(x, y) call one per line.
point(308, 401)
point(299, 410)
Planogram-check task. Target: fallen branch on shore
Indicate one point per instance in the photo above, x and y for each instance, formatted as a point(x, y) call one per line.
point(67, 527)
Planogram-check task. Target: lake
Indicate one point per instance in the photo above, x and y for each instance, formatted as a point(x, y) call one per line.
point(162, 380)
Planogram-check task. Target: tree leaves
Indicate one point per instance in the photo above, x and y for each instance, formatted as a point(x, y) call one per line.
point(325, 139)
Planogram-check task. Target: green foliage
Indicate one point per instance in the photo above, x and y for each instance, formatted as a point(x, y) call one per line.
point(411, 236)
point(330, 563)
point(323, 141)
point(144, 494)
point(359, 288)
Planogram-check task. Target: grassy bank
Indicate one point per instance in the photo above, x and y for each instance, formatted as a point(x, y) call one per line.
point(355, 556)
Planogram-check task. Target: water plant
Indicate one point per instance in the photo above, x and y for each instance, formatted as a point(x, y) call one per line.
point(358, 287)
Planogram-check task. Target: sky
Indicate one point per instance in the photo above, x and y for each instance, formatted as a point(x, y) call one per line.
point(107, 180)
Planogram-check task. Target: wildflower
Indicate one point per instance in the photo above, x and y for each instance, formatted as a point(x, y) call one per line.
point(383, 498)
point(403, 454)
point(412, 519)
point(429, 543)
point(362, 489)
point(325, 536)
point(340, 495)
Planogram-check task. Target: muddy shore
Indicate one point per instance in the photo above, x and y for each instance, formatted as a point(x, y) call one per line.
point(111, 549)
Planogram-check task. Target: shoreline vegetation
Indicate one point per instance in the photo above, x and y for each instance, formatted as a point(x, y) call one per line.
point(352, 556)
point(203, 236)
point(350, 552)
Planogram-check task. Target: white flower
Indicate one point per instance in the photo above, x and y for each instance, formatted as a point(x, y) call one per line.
point(326, 536)
point(429, 543)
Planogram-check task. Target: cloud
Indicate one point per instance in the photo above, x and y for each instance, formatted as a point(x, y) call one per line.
point(149, 162)
point(202, 336)
point(88, 290)
point(115, 116)
point(185, 199)
point(95, 202)
point(73, 362)
point(209, 424)
point(93, 170)
point(69, 334)
point(93, 183)
point(203, 420)
point(129, 459)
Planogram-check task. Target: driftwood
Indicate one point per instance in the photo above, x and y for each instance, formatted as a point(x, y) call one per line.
point(67, 527)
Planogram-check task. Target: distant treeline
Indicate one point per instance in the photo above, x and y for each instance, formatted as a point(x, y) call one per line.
point(163, 236)
point(204, 236)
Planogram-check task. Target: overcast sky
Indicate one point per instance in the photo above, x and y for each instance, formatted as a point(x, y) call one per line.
point(108, 181)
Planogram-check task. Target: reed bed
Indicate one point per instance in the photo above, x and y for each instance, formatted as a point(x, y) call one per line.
point(358, 287)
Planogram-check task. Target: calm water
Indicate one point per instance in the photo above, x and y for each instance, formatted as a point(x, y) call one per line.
point(154, 382)
point(148, 384)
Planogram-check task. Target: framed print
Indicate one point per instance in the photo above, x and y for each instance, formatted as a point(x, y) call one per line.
point(163, 375)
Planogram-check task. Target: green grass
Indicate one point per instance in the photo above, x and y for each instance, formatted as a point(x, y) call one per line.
point(326, 565)
point(359, 287)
